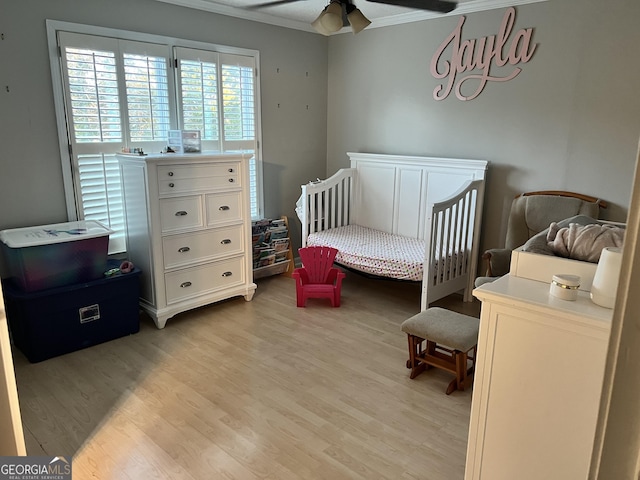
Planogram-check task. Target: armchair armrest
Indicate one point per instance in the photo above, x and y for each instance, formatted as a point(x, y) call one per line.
point(498, 261)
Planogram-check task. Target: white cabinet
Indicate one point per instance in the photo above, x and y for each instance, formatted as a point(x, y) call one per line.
point(537, 385)
point(188, 228)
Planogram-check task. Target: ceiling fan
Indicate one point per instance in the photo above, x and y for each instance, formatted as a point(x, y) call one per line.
point(442, 6)
point(342, 13)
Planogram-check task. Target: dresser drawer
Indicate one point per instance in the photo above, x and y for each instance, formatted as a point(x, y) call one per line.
point(194, 178)
point(195, 281)
point(223, 207)
point(180, 213)
point(189, 248)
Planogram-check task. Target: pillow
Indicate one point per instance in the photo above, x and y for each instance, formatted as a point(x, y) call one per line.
point(583, 242)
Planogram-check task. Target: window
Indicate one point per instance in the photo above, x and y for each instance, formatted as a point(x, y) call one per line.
point(208, 80)
point(119, 92)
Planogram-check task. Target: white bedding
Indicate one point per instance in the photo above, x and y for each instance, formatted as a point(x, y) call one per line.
point(375, 252)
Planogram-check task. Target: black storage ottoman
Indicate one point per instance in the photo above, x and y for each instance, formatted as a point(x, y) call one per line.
point(56, 321)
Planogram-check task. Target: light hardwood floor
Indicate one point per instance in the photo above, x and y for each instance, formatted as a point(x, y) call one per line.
point(260, 389)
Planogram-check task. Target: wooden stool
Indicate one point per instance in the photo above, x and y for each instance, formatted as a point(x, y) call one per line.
point(450, 336)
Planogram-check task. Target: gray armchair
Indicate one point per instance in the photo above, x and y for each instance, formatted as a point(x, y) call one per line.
point(530, 214)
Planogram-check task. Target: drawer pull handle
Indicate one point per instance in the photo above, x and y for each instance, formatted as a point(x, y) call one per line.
point(231, 180)
point(183, 249)
point(170, 174)
point(181, 213)
point(231, 170)
point(224, 207)
point(185, 284)
point(227, 274)
point(226, 241)
point(171, 185)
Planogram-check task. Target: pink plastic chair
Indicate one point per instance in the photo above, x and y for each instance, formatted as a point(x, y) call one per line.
point(318, 278)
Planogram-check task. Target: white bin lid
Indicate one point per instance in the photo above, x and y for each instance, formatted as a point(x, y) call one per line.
point(54, 233)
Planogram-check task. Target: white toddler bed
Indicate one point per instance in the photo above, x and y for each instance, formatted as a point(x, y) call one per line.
point(392, 215)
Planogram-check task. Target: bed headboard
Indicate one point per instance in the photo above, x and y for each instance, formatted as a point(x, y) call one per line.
point(393, 193)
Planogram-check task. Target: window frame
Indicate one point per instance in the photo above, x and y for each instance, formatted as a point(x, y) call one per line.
point(53, 26)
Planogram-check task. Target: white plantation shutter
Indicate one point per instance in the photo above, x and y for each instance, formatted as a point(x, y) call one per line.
point(198, 94)
point(148, 93)
point(92, 86)
point(94, 118)
point(238, 74)
point(117, 95)
point(99, 177)
point(254, 189)
point(238, 100)
point(147, 85)
point(217, 95)
point(123, 93)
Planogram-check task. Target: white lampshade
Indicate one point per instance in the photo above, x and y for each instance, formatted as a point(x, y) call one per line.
point(331, 20)
point(357, 21)
point(605, 281)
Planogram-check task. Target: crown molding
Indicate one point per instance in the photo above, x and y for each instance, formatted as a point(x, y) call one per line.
point(409, 17)
point(462, 9)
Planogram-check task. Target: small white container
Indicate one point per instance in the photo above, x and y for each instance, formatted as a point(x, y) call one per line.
point(565, 286)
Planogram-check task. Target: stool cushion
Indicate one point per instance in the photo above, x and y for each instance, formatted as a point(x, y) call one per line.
point(445, 327)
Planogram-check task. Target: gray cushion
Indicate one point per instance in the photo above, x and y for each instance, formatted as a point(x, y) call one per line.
point(445, 327)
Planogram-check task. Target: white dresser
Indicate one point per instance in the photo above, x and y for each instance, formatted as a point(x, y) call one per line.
point(188, 228)
point(537, 384)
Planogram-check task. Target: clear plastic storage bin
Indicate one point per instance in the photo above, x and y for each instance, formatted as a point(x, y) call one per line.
point(49, 256)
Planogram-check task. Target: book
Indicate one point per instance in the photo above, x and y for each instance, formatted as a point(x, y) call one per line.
point(270, 241)
point(280, 244)
point(267, 260)
point(277, 234)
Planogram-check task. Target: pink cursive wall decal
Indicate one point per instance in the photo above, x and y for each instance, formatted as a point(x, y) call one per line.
point(480, 54)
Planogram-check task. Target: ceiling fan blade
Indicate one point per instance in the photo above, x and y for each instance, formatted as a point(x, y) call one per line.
point(442, 6)
point(270, 4)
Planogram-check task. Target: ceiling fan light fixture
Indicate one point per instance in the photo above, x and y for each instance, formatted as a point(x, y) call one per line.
point(357, 20)
point(318, 26)
point(331, 18)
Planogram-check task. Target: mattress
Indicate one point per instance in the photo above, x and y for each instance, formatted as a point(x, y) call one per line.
point(373, 251)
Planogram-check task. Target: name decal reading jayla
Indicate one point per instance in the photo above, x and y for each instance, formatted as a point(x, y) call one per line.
point(480, 54)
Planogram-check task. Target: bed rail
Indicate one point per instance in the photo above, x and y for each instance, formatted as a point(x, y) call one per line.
point(453, 243)
point(326, 204)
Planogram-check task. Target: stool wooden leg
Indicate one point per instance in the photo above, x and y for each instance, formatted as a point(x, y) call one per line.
point(415, 351)
point(452, 386)
point(412, 354)
point(430, 352)
point(461, 369)
point(472, 370)
point(473, 359)
point(460, 361)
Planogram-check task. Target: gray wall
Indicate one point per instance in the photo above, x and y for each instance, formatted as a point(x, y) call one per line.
point(569, 121)
point(293, 76)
